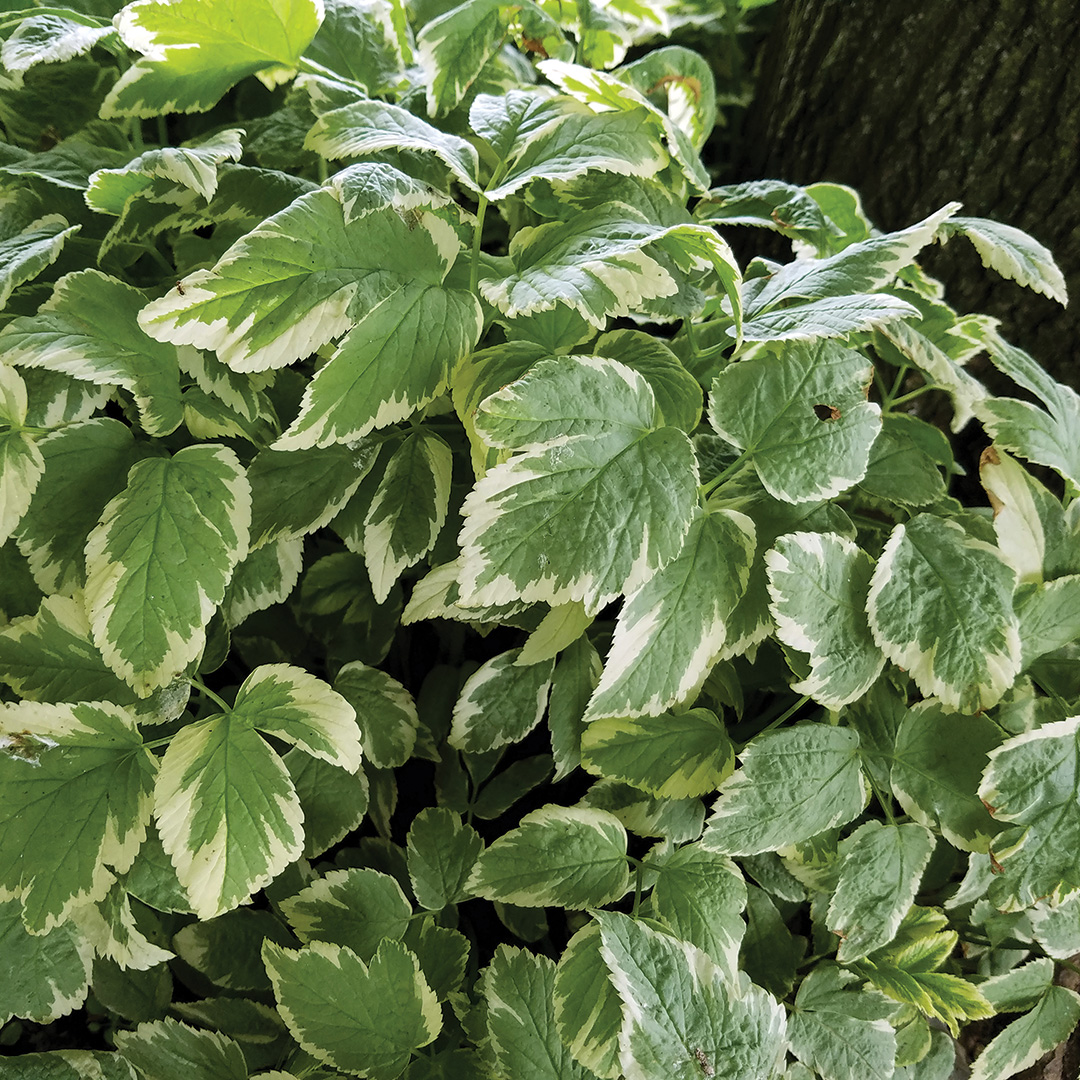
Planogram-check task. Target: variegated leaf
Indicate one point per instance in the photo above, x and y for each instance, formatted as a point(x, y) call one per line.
point(408, 510)
point(672, 630)
point(26, 251)
point(195, 50)
point(810, 396)
point(148, 610)
point(525, 536)
point(300, 279)
point(818, 583)
point(60, 764)
point(940, 606)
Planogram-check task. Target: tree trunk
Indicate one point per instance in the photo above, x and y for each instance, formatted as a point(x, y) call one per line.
point(918, 104)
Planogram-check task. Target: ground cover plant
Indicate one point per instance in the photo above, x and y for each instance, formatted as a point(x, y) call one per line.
point(459, 622)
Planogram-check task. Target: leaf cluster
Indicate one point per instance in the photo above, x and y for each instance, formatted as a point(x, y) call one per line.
point(459, 623)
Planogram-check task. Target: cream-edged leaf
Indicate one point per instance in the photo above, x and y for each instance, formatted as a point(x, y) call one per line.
point(1013, 254)
point(818, 584)
point(193, 51)
point(1033, 783)
point(408, 510)
point(673, 756)
point(940, 606)
point(385, 713)
point(673, 628)
point(365, 1019)
point(801, 416)
point(300, 279)
point(288, 703)
point(566, 856)
point(81, 763)
point(266, 577)
point(148, 610)
point(227, 812)
point(793, 784)
point(501, 702)
point(26, 251)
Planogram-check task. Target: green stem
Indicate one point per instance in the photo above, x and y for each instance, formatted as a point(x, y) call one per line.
point(638, 873)
point(204, 689)
point(162, 131)
point(691, 337)
point(154, 743)
point(786, 715)
point(712, 485)
point(884, 802)
point(911, 396)
point(135, 130)
point(166, 266)
point(1070, 965)
point(478, 235)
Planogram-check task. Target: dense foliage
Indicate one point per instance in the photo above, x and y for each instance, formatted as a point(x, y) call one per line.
point(414, 516)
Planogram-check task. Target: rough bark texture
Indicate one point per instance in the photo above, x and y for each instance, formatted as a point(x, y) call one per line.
point(915, 104)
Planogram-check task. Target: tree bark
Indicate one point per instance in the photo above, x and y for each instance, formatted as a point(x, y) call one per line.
point(916, 104)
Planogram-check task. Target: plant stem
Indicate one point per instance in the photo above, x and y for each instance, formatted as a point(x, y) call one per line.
point(478, 235)
point(204, 689)
point(638, 874)
point(712, 485)
point(787, 714)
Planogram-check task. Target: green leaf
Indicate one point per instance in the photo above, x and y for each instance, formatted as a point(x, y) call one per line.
point(397, 359)
point(570, 146)
point(701, 896)
point(195, 50)
point(501, 702)
point(266, 577)
point(227, 811)
point(841, 1033)
point(818, 584)
point(1057, 928)
point(685, 79)
point(519, 988)
point(588, 1012)
point(50, 38)
point(672, 630)
point(677, 820)
point(21, 468)
point(147, 609)
point(300, 279)
point(1032, 531)
point(408, 510)
point(678, 395)
point(441, 852)
point(1026, 1040)
point(85, 465)
point(288, 703)
point(557, 855)
point(938, 761)
point(452, 49)
point(1033, 782)
point(167, 1047)
point(576, 675)
point(50, 657)
point(356, 908)
point(296, 492)
point(365, 1019)
point(26, 250)
point(681, 1013)
point(880, 872)
point(802, 417)
point(597, 264)
point(793, 784)
point(71, 1065)
point(333, 800)
point(80, 763)
point(1013, 254)
point(193, 167)
point(1045, 437)
point(670, 756)
point(46, 974)
point(901, 469)
point(940, 606)
point(859, 268)
point(385, 712)
point(370, 127)
point(226, 950)
point(829, 317)
point(559, 628)
point(525, 536)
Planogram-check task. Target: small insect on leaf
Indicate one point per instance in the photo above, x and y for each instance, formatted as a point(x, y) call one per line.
point(703, 1061)
point(826, 412)
point(180, 287)
point(25, 746)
